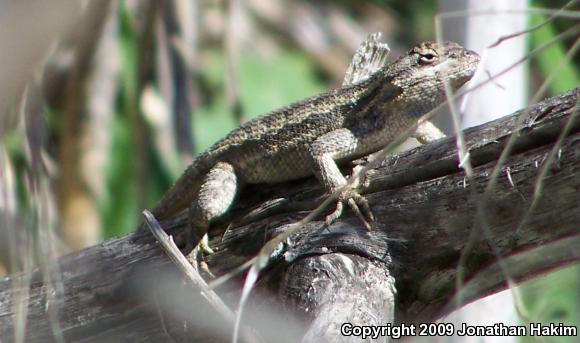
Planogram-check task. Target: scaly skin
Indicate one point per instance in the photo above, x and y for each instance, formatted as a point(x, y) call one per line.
point(312, 136)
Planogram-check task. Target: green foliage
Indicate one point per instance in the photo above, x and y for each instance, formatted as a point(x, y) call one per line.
point(549, 61)
point(415, 18)
point(554, 298)
point(259, 91)
point(120, 207)
point(14, 143)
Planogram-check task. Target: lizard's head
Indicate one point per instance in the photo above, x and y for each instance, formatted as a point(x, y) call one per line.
point(421, 73)
point(448, 60)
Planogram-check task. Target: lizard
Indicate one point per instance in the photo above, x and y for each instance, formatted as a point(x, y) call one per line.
point(316, 135)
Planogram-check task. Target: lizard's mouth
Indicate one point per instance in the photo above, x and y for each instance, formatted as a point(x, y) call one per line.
point(473, 58)
point(465, 71)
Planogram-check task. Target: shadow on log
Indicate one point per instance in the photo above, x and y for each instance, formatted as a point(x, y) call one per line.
point(427, 223)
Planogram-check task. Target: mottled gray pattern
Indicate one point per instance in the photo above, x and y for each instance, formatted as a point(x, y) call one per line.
point(311, 136)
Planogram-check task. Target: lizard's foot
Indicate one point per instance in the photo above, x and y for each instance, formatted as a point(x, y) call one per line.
point(198, 255)
point(203, 243)
point(202, 250)
point(197, 260)
point(356, 202)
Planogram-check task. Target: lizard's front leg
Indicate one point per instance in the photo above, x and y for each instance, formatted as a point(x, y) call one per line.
point(215, 197)
point(324, 151)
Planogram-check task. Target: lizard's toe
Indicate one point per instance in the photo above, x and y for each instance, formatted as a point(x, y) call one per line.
point(358, 203)
point(204, 245)
point(331, 218)
point(197, 257)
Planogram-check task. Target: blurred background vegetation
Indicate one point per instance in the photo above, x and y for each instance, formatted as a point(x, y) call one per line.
point(115, 107)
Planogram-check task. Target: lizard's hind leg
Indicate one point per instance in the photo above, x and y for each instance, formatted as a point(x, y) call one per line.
point(215, 197)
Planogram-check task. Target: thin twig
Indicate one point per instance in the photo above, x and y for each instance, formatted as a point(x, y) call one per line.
point(534, 28)
point(179, 259)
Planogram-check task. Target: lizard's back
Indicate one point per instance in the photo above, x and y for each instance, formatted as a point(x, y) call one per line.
point(269, 148)
point(275, 147)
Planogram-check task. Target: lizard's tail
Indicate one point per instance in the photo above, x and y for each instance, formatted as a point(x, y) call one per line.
point(180, 196)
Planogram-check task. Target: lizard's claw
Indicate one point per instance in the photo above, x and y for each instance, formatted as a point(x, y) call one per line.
point(197, 260)
point(197, 256)
point(203, 242)
point(204, 245)
point(202, 250)
point(357, 203)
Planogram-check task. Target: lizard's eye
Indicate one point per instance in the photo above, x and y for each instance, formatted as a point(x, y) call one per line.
point(427, 58)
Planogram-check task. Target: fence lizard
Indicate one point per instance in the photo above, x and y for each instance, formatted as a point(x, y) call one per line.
point(314, 136)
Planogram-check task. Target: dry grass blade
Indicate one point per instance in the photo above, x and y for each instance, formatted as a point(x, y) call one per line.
point(177, 257)
point(482, 225)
